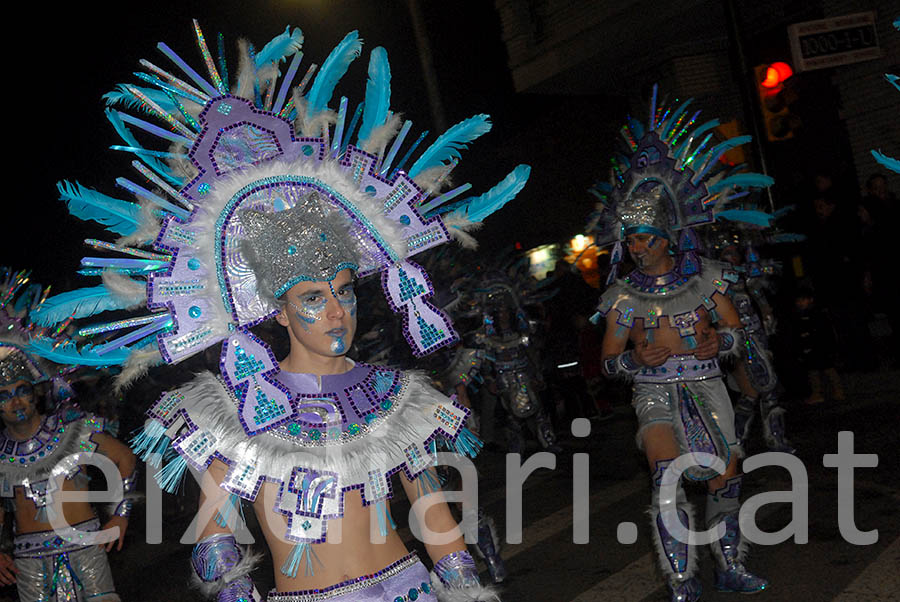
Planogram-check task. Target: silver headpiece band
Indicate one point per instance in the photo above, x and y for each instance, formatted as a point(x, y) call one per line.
point(309, 241)
point(645, 212)
point(14, 366)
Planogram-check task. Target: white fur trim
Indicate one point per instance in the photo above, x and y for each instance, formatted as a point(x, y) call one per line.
point(211, 408)
point(661, 557)
point(475, 593)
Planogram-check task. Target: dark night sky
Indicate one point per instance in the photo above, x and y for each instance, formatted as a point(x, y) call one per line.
point(75, 54)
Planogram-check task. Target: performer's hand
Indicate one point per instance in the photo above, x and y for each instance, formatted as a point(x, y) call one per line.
point(8, 569)
point(651, 355)
point(709, 345)
point(122, 523)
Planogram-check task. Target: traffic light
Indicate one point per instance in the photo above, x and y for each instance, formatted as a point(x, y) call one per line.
point(775, 99)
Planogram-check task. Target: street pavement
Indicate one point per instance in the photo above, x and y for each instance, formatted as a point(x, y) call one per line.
point(548, 567)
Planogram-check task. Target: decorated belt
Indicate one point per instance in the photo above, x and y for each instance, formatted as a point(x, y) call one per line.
point(50, 543)
point(358, 584)
point(679, 368)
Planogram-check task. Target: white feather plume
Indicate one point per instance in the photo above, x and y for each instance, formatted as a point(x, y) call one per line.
point(147, 230)
point(136, 366)
point(459, 228)
point(382, 135)
point(246, 74)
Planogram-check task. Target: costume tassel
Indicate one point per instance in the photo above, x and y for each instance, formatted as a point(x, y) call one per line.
point(222, 516)
point(427, 483)
point(169, 478)
point(294, 559)
point(384, 517)
point(467, 444)
point(147, 438)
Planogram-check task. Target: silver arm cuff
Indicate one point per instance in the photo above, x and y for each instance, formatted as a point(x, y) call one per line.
point(126, 505)
point(621, 366)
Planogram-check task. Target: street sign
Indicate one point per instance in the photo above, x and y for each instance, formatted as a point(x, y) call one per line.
point(834, 41)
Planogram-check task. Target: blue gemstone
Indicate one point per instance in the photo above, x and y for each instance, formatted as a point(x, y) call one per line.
point(404, 219)
point(292, 250)
point(307, 149)
point(195, 312)
point(413, 594)
point(194, 263)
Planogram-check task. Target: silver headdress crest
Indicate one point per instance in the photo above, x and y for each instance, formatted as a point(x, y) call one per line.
point(309, 241)
point(237, 157)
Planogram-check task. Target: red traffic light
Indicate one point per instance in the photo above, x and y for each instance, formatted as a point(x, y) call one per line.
point(776, 73)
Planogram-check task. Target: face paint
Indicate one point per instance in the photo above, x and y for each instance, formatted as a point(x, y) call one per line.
point(310, 310)
point(322, 314)
point(650, 243)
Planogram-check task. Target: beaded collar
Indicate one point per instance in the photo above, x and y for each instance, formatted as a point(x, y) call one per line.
point(43, 443)
point(656, 285)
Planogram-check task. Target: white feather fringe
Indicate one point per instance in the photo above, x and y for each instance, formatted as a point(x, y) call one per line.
point(246, 74)
point(210, 589)
point(125, 289)
point(311, 127)
point(209, 406)
point(479, 593)
point(430, 180)
point(136, 366)
point(380, 136)
point(459, 228)
point(147, 230)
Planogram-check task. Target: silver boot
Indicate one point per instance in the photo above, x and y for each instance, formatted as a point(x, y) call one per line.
point(729, 551)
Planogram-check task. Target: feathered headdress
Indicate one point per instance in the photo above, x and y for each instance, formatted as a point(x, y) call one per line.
point(19, 298)
point(261, 144)
point(668, 180)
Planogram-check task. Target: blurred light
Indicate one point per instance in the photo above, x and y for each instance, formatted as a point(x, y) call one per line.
point(579, 243)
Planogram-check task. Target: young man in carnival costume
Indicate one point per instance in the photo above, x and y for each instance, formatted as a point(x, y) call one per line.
point(268, 212)
point(55, 554)
point(753, 374)
point(674, 310)
point(506, 337)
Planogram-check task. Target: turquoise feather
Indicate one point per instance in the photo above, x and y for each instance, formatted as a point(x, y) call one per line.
point(121, 96)
point(448, 145)
point(378, 94)
point(478, 208)
point(331, 72)
point(744, 180)
point(129, 139)
point(79, 303)
point(748, 216)
point(280, 47)
point(889, 162)
point(69, 354)
point(120, 217)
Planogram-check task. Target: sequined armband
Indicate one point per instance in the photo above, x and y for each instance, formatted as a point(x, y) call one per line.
point(622, 365)
point(129, 485)
point(222, 568)
point(458, 579)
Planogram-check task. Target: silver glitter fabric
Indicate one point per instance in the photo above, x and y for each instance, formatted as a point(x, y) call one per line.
point(14, 366)
point(645, 208)
point(309, 241)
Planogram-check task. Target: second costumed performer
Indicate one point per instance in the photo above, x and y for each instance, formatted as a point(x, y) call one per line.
point(668, 322)
point(272, 212)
